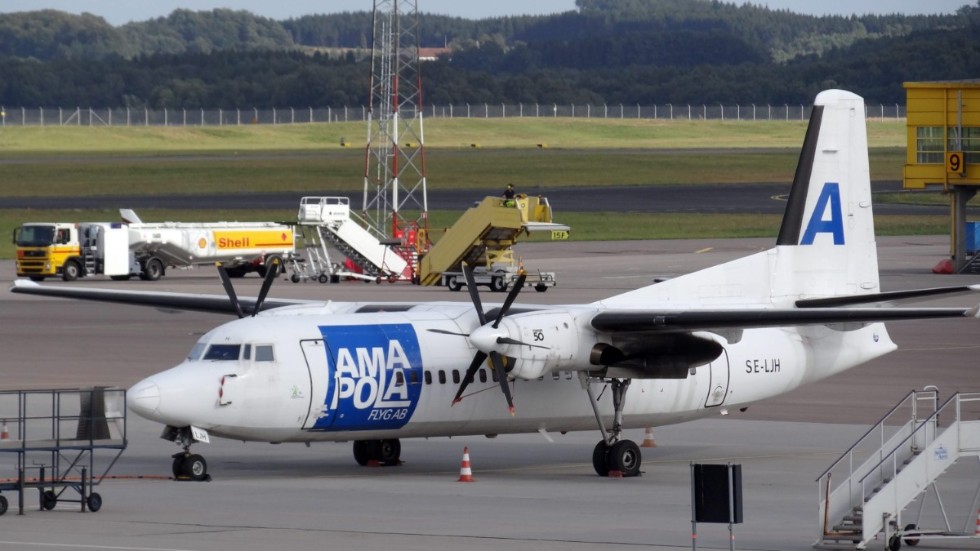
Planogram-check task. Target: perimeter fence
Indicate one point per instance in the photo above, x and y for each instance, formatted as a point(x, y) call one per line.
point(89, 116)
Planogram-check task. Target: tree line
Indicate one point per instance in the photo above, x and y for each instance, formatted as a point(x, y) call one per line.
point(608, 51)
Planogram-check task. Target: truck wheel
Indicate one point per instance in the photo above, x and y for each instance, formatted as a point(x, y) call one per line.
point(540, 287)
point(70, 271)
point(153, 269)
point(452, 282)
point(497, 284)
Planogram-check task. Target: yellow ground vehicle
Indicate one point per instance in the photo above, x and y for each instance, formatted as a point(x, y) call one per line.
point(43, 248)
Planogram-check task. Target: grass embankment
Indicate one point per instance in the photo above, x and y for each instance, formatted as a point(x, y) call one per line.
point(532, 153)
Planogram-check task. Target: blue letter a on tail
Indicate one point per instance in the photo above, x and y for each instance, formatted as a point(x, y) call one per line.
point(829, 196)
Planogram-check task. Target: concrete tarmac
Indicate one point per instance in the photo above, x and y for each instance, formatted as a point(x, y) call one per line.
point(529, 493)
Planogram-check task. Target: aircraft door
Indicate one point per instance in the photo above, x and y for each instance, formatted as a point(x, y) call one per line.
point(315, 352)
point(718, 381)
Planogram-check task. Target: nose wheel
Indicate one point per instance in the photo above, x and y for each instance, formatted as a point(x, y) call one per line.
point(190, 466)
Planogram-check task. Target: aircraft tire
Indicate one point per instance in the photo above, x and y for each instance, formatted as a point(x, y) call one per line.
point(600, 458)
point(362, 452)
point(390, 451)
point(625, 457)
point(195, 467)
point(178, 465)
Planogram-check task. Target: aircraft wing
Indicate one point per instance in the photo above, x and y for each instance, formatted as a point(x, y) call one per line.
point(885, 297)
point(219, 304)
point(663, 321)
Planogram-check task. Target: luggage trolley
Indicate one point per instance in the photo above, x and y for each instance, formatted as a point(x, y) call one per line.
point(56, 436)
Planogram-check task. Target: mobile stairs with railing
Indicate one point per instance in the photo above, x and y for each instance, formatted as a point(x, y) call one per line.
point(864, 493)
point(326, 222)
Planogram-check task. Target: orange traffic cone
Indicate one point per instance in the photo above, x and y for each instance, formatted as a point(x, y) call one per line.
point(4, 433)
point(648, 439)
point(977, 531)
point(465, 473)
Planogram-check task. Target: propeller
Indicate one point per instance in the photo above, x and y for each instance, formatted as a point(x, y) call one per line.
point(270, 276)
point(496, 360)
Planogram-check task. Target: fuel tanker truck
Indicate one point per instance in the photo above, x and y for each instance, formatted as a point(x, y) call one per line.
point(123, 250)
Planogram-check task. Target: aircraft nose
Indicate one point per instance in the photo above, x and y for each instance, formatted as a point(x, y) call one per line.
point(144, 398)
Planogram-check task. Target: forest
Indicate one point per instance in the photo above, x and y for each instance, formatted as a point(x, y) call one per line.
point(605, 51)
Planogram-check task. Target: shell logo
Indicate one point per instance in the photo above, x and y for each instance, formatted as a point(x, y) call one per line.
point(202, 243)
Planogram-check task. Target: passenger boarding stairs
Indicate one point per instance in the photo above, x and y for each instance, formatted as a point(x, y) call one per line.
point(331, 217)
point(865, 491)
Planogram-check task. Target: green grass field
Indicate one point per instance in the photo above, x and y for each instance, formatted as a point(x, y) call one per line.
point(474, 154)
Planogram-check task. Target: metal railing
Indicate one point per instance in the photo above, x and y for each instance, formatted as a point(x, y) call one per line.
point(127, 116)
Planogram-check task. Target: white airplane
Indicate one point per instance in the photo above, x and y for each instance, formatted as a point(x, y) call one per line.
point(723, 337)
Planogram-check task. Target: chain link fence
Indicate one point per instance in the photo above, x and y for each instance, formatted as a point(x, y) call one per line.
point(78, 116)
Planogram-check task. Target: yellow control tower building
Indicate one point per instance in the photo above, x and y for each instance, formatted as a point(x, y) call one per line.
point(944, 150)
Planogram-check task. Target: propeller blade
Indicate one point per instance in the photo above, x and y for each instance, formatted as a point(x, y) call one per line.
point(474, 293)
point(230, 290)
point(271, 271)
point(511, 296)
point(468, 377)
point(498, 366)
point(508, 340)
point(445, 332)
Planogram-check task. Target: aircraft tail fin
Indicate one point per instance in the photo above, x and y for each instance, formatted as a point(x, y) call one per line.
point(828, 225)
point(826, 244)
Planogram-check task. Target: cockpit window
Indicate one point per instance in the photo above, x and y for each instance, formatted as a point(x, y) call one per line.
point(196, 352)
point(263, 353)
point(223, 352)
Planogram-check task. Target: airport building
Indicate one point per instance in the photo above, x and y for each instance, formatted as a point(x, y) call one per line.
point(944, 150)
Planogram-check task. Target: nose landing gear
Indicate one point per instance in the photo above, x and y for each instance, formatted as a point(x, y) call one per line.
point(187, 465)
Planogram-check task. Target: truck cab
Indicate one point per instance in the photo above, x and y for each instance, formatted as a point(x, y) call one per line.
point(43, 248)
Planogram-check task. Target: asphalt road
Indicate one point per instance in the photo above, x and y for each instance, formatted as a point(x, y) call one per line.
point(699, 198)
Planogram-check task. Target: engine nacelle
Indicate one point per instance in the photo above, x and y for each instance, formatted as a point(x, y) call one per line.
point(550, 341)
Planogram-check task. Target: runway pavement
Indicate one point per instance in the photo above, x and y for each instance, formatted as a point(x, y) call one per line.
point(529, 493)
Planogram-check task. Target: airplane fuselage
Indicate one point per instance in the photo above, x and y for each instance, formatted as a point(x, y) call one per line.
point(338, 372)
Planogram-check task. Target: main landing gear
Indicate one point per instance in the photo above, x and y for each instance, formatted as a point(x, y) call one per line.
point(378, 452)
point(611, 455)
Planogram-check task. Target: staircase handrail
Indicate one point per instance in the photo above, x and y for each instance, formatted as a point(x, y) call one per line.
point(871, 430)
point(957, 397)
point(901, 445)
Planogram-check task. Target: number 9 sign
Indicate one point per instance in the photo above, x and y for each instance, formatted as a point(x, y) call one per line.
point(954, 162)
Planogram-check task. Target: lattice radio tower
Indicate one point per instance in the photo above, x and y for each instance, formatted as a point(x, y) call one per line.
point(395, 201)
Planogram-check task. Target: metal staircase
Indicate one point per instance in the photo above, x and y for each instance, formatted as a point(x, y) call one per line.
point(332, 219)
point(865, 491)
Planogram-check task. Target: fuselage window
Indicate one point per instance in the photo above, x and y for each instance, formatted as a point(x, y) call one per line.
point(223, 352)
point(428, 377)
point(399, 378)
point(455, 377)
point(483, 375)
point(442, 377)
point(247, 352)
point(263, 353)
point(413, 377)
point(494, 374)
